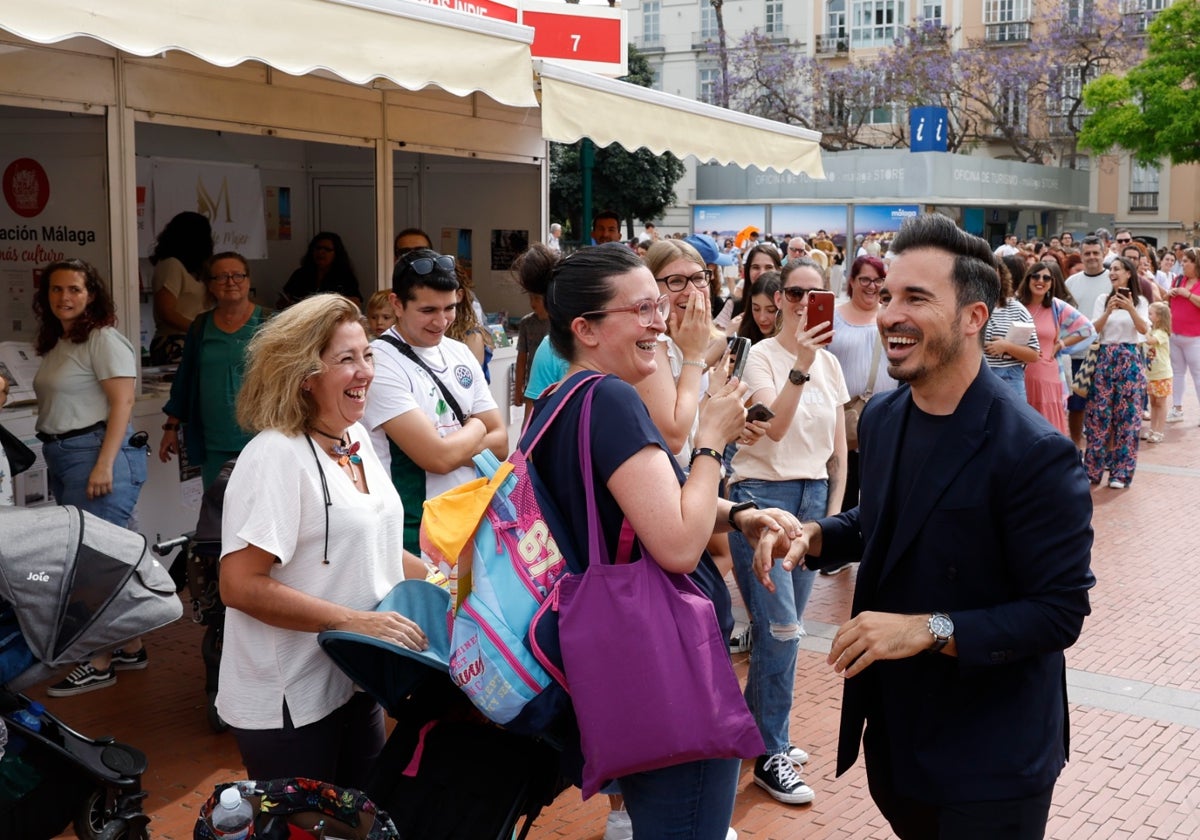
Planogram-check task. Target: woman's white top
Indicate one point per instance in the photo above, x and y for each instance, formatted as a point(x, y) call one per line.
point(1119, 328)
point(804, 450)
point(275, 502)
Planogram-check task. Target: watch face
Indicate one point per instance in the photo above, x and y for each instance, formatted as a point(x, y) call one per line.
point(941, 626)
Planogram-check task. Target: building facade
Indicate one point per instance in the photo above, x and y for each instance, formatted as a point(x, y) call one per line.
point(1161, 203)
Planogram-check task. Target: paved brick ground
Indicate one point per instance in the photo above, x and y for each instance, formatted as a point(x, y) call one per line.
point(1135, 764)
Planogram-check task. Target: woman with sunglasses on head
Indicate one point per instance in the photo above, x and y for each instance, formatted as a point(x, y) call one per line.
point(310, 541)
point(1114, 407)
point(325, 267)
point(606, 314)
point(205, 388)
point(1059, 325)
point(85, 395)
point(798, 466)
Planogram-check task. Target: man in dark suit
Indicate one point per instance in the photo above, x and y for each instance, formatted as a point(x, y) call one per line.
point(974, 528)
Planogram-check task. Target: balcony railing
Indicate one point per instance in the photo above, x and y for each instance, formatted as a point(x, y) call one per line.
point(833, 43)
point(1144, 202)
point(1012, 32)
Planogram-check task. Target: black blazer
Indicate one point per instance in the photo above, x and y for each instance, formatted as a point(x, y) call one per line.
point(997, 533)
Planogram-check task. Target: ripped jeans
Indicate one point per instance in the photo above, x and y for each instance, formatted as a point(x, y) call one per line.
point(777, 617)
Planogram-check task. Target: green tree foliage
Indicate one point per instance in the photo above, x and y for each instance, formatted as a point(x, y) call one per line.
point(639, 185)
point(1152, 111)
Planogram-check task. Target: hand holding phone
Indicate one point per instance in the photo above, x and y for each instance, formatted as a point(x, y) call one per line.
point(739, 352)
point(759, 411)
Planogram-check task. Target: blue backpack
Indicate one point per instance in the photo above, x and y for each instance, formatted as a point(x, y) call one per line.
point(505, 570)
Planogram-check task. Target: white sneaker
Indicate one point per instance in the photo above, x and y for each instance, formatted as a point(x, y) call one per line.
point(1175, 415)
point(731, 834)
point(796, 755)
point(618, 826)
point(1116, 485)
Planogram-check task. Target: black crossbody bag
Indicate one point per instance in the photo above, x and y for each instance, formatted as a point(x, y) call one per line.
point(407, 351)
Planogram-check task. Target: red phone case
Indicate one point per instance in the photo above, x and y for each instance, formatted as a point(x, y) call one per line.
point(820, 308)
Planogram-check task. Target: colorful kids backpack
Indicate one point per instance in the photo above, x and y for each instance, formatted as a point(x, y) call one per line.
point(506, 563)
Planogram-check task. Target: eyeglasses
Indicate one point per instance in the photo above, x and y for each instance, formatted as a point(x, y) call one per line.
point(796, 293)
point(229, 277)
point(801, 251)
point(870, 281)
point(1040, 278)
point(678, 282)
point(1121, 241)
point(645, 309)
point(423, 266)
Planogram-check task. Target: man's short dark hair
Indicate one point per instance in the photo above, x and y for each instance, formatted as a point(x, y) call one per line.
point(405, 279)
point(976, 278)
point(1090, 240)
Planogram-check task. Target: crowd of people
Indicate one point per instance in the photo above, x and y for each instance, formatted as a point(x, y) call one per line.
point(950, 371)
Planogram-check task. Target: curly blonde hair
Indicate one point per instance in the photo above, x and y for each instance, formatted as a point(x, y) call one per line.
point(284, 353)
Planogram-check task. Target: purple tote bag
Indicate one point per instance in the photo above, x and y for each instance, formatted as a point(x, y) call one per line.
point(645, 661)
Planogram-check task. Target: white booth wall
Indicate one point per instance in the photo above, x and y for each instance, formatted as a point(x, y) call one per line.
point(320, 137)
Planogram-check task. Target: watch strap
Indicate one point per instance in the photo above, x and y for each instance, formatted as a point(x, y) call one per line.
point(736, 509)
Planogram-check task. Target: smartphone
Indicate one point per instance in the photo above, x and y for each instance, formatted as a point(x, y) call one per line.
point(739, 353)
point(820, 309)
point(759, 411)
point(1123, 292)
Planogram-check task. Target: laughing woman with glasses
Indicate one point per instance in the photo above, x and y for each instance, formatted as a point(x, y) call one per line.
point(606, 314)
point(205, 389)
point(1059, 325)
point(673, 392)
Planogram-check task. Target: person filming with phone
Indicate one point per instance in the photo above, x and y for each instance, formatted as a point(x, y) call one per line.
point(798, 466)
point(1114, 410)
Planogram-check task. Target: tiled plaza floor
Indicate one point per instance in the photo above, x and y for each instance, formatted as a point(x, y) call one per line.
point(1134, 768)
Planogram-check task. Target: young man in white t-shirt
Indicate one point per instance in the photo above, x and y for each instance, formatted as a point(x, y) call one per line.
point(421, 439)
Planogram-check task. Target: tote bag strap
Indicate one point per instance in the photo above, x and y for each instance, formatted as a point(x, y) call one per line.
point(597, 545)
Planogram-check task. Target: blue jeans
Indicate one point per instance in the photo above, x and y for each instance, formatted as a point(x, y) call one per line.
point(1013, 376)
point(693, 800)
point(777, 617)
point(69, 463)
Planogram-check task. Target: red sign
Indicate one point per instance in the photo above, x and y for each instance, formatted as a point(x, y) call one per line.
point(573, 36)
point(26, 187)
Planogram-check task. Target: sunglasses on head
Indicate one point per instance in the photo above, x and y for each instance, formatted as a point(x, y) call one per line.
point(424, 266)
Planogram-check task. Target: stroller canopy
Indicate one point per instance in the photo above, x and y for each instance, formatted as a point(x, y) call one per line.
point(79, 584)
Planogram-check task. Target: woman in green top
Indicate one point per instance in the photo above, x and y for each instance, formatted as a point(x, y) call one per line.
point(210, 373)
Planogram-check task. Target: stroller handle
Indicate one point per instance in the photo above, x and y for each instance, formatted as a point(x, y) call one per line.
point(162, 549)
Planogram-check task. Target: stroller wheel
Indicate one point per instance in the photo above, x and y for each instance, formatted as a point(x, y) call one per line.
point(122, 830)
point(91, 821)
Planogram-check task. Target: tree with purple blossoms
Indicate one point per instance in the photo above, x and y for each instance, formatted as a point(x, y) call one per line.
point(1017, 86)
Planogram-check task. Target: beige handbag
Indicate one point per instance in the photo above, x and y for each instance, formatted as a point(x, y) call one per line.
point(854, 408)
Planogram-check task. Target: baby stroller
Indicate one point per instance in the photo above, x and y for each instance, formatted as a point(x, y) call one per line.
point(419, 778)
point(196, 567)
point(71, 585)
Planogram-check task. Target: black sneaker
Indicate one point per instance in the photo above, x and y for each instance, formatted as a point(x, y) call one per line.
point(123, 661)
point(776, 775)
point(835, 570)
point(81, 680)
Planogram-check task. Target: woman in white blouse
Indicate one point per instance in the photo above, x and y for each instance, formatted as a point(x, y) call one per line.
point(1114, 408)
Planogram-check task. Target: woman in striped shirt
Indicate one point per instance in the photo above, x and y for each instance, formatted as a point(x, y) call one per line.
point(1007, 358)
